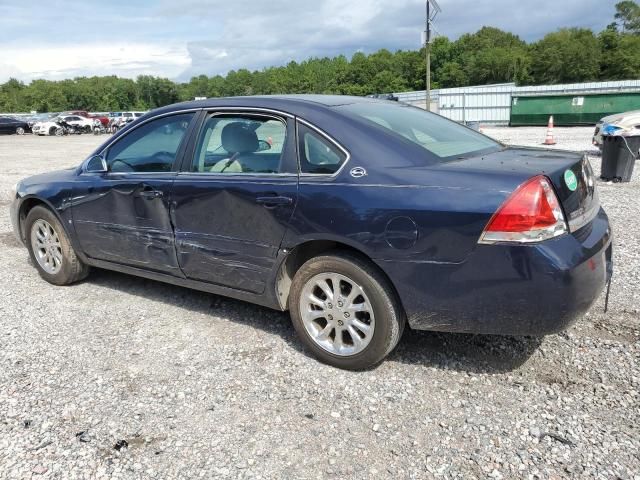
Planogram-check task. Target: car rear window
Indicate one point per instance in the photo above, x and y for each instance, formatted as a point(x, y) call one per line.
point(445, 139)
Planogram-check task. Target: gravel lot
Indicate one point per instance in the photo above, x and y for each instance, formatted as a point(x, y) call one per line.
point(121, 377)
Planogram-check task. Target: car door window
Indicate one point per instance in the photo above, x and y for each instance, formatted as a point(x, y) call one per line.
point(151, 147)
point(240, 144)
point(317, 154)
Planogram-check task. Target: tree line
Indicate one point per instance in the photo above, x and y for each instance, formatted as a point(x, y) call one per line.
point(487, 56)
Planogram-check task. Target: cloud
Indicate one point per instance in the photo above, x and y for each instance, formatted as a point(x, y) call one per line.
point(254, 36)
point(193, 37)
point(65, 61)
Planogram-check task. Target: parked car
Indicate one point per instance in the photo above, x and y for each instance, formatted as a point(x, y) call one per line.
point(625, 121)
point(104, 120)
point(128, 117)
point(118, 120)
point(14, 125)
point(40, 117)
point(356, 215)
point(49, 127)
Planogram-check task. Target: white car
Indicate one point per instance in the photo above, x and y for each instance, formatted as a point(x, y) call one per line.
point(627, 123)
point(49, 127)
point(125, 117)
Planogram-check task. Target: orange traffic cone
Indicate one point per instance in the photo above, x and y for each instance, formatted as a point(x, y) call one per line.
point(550, 140)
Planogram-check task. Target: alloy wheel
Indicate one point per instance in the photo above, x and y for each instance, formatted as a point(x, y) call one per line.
point(337, 314)
point(46, 246)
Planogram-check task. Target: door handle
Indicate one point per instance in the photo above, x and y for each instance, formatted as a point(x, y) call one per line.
point(274, 201)
point(151, 193)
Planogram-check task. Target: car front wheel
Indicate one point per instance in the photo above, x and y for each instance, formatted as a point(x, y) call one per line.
point(345, 311)
point(51, 250)
point(20, 131)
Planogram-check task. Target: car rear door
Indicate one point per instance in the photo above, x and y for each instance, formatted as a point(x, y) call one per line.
point(234, 198)
point(122, 215)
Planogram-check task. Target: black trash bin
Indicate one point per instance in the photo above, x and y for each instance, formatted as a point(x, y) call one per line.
point(618, 157)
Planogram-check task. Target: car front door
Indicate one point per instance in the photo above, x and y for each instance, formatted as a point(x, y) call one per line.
point(122, 215)
point(234, 198)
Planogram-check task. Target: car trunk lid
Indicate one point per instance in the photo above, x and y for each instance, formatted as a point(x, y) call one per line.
point(570, 173)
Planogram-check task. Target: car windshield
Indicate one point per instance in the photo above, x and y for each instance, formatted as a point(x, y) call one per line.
point(445, 139)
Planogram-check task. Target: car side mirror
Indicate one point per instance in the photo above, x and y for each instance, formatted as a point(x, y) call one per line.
point(263, 145)
point(96, 164)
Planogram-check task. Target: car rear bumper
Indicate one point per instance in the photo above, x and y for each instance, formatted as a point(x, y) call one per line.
point(509, 289)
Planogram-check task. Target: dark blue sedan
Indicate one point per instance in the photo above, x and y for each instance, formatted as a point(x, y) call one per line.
point(357, 215)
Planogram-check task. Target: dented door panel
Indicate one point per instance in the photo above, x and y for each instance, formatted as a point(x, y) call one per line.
point(125, 219)
point(224, 235)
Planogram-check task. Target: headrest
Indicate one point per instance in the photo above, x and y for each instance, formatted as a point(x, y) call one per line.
point(238, 137)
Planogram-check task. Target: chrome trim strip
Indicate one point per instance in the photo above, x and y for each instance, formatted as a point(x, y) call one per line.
point(332, 140)
point(245, 109)
point(235, 174)
point(124, 174)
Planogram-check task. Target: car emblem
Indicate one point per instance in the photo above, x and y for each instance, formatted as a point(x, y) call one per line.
point(357, 172)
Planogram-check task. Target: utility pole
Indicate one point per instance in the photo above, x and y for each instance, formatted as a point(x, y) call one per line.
point(430, 16)
point(427, 48)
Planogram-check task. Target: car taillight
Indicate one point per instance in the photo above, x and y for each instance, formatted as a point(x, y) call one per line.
point(531, 214)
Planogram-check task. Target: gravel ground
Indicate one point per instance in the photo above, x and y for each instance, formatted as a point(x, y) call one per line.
point(121, 377)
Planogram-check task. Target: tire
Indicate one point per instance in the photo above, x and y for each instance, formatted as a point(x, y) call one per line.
point(70, 268)
point(20, 131)
point(384, 313)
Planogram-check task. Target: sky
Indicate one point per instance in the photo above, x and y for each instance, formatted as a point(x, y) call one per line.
point(179, 39)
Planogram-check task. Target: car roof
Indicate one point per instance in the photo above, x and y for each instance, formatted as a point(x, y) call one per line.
point(288, 103)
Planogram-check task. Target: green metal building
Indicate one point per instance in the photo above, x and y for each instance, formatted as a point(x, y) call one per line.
point(570, 109)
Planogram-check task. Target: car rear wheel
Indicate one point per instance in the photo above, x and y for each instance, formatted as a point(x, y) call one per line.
point(51, 250)
point(20, 131)
point(345, 311)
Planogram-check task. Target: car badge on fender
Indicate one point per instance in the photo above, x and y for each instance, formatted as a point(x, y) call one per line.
point(357, 172)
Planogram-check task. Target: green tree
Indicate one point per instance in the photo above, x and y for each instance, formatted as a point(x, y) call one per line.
point(568, 55)
point(628, 16)
point(620, 55)
point(11, 96)
point(451, 74)
point(492, 56)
